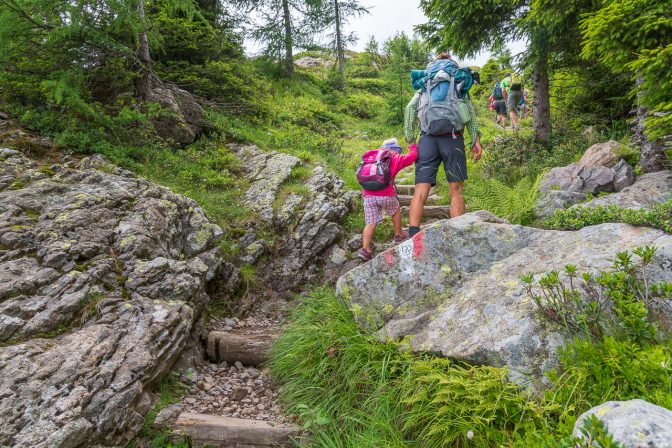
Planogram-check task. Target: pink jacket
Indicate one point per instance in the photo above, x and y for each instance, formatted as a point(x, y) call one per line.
point(399, 162)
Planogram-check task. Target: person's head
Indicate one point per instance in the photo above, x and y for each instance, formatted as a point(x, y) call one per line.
point(442, 56)
point(508, 75)
point(392, 144)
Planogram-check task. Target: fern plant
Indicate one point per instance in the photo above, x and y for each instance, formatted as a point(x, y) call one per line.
point(514, 203)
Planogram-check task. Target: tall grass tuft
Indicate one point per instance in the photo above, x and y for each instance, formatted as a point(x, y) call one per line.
point(351, 390)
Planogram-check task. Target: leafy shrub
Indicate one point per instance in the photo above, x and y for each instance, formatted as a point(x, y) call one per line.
point(582, 306)
point(514, 203)
point(374, 86)
point(362, 105)
point(512, 157)
point(657, 217)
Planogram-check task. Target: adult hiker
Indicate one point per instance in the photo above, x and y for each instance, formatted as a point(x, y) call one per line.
point(512, 88)
point(376, 175)
point(499, 104)
point(444, 109)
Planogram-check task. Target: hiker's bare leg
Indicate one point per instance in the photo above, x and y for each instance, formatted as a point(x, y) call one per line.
point(418, 204)
point(503, 120)
point(396, 222)
point(514, 118)
point(367, 235)
point(456, 199)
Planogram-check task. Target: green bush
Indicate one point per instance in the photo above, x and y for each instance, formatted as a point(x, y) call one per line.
point(657, 217)
point(362, 105)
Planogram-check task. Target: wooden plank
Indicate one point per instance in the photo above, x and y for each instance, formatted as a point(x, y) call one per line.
point(251, 350)
point(225, 432)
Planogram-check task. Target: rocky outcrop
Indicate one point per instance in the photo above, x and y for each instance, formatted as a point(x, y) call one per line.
point(648, 190)
point(267, 172)
point(600, 170)
point(313, 62)
point(313, 230)
point(455, 287)
point(633, 424)
point(187, 118)
point(307, 223)
point(102, 276)
point(596, 172)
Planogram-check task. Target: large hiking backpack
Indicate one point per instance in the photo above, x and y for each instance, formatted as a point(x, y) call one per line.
point(374, 173)
point(441, 110)
point(516, 82)
point(497, 93)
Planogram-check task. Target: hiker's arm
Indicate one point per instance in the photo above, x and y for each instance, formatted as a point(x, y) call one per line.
point(472, 124)
point(410, 116)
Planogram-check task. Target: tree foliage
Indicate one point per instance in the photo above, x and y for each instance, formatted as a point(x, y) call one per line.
point(635, 37)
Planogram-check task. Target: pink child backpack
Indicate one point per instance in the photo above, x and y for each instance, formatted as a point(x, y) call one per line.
point(374, 172)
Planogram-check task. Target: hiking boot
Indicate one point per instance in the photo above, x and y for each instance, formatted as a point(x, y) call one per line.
point(365, 254)
point(401, 238)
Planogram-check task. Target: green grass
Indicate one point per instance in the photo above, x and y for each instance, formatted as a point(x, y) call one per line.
point(169, 391)
point(657, 216)
point(352, 390)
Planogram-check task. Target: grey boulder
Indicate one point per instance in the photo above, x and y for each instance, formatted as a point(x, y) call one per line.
point(455, 288)
point(647, 190)
point(102, 277)
point(633, 424)
point(602, 154)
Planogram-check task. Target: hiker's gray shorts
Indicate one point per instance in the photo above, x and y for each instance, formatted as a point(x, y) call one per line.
point(514, 99)
point(433, 150)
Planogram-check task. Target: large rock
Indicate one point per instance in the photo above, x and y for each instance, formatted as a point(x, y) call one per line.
point(602, 154)
point(633, 424)
point(551, 200)
point(102, 276)
point(313, 62)
point(187, 119)
point(648, 190)
point(267, 171)
point(600, 170)
point(455, 287)
point(579, 179)
point(307, 223)
point(313, 229)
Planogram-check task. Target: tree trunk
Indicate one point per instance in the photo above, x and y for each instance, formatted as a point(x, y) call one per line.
point(653, 156)
point(143, 85)
point(289, 43)
point(339, 40)
point(542, 98)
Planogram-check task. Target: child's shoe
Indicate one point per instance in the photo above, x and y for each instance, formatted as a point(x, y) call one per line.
point(365, 254)
point(401, 238)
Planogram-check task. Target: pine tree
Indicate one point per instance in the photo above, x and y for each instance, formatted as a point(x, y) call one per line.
point(282, 26)
point(334, 14)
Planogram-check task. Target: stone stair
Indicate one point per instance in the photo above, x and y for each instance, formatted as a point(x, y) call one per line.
point(240, 349)
point(432, 212)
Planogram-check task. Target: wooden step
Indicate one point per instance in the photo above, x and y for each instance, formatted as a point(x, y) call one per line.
point(225, 432)
point(432, 211)
point(251, 350)
point(405, 200)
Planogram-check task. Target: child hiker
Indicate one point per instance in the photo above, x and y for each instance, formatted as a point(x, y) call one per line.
point(376, 175)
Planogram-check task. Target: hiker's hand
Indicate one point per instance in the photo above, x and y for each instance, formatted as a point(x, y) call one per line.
point(477, 150)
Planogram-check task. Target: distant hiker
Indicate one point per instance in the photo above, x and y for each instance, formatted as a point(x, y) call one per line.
point(376, 175)
point(512, 88)
point(499, 104)
point(444, 110)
